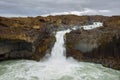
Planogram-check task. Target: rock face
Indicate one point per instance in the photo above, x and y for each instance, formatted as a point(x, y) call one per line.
point(101, 45)
point(25, 44)
point(24, 38)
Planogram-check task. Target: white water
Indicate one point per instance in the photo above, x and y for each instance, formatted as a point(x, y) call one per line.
point(94, 25)
point(56, 67)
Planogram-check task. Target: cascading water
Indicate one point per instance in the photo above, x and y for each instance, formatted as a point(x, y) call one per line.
point(56, 67)
point(59, 49)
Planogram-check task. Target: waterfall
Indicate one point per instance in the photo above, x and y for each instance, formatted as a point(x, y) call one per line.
point(58, 51)
point(56, 67)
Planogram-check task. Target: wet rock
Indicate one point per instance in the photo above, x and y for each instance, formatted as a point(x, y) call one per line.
point(101, 45)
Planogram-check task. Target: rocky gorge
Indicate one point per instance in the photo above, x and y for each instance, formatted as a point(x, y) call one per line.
point(33, 37)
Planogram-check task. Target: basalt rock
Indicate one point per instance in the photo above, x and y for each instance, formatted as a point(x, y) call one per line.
point(24, 38)
point(101, 45)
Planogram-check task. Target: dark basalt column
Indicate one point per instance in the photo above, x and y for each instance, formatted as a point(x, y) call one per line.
point(101, 45)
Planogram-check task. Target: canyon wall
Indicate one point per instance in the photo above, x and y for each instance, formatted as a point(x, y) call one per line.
point(100, 45)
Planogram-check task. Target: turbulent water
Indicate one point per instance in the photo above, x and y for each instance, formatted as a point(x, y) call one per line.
point(56, 67)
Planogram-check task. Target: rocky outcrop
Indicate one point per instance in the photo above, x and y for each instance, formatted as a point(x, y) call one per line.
point(113, 21)
point(24, 38)
point(101, 45)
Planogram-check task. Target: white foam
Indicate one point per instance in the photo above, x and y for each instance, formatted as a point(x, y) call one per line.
point(94, 25)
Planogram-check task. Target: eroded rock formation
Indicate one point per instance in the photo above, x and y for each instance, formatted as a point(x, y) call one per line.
point(24, 38)
point(31, 37)
point(100, 45)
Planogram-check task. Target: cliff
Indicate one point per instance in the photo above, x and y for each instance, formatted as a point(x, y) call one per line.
point(25, 38)
point(100, 45)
